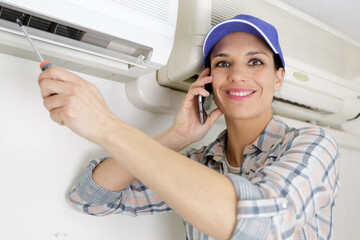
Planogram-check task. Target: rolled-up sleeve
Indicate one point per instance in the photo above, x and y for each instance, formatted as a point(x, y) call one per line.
point(296, 187)
point(136, 199)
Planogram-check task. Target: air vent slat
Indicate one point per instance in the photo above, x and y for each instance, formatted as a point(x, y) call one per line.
point(10, 15)
point(301, 105)
point(69, 32)
point(41, 24)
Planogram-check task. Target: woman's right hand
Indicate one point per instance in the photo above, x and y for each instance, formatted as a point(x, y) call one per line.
point(187, 127)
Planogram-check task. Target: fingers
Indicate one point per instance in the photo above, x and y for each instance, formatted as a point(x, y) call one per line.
point(50, 87)
point(58, 73)
point(205, 72)
point(56, 116)
point(59, 88)
point(55, 101)
point(56, 80)
point(203, 79)
point(213, 116)
point(61, 107)
point(197, 91)
point(197, 88)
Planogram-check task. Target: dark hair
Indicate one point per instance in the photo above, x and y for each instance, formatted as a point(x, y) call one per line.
point(277, 62)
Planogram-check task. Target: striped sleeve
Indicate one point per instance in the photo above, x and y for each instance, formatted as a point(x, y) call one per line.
point(294, 190)
point(136, 199)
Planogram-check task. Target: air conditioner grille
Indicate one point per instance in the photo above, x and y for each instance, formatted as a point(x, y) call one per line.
point(162, 10)
point(41, 24)
point(278, 99)
point(309, 43)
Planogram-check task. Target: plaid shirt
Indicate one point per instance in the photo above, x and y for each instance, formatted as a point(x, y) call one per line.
point(286, 187)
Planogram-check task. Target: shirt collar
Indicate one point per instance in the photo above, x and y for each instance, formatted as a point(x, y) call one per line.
point(216, 149)
point(274, 130)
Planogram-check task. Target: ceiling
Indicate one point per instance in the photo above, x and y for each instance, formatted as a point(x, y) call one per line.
point(342, 15)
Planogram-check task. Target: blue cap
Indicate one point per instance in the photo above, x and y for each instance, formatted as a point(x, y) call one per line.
point(243, 23)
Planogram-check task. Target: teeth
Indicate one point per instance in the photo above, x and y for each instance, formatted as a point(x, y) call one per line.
point(240, 94)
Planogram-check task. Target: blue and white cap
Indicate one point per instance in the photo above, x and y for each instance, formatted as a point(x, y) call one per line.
point(243, 23)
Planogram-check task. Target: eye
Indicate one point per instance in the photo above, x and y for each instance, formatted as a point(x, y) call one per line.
point(222, 64)
point(255, 62)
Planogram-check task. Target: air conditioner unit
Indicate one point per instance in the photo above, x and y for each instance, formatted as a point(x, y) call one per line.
point(322, 80)
point(113, 39)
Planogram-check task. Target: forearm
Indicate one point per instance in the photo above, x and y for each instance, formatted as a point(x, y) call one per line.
point(202, 196)
point(170, 139)
point(113, 177)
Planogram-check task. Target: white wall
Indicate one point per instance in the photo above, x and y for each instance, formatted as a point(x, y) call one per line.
point(40, 161)
point(347, 208)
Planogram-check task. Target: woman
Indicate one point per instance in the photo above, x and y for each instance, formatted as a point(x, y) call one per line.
point(270, 181)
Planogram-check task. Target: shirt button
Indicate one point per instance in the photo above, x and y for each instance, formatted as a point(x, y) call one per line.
point(284, 205)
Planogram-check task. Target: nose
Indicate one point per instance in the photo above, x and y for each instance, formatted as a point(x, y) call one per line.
point(237, 74)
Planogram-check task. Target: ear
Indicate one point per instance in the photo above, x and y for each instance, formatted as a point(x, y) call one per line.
point(279, 76)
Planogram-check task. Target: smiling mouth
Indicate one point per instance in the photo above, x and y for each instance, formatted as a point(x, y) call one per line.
point(239, 93)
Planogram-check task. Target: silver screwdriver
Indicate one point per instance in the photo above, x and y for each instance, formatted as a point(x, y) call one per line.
point(44, 64)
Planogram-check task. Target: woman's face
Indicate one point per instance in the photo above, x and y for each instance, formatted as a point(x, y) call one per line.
point(244, 76)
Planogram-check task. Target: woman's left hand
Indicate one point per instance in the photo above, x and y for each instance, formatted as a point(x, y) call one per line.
point(76, 103)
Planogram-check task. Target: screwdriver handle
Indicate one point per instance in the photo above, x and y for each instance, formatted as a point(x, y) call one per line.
point(45, 65)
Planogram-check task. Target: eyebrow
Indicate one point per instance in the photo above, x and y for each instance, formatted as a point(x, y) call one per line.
point(220, 55)
point(251, 53)
point(255, 53)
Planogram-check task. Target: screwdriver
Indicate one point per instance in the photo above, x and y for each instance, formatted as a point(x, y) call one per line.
point(44, 64)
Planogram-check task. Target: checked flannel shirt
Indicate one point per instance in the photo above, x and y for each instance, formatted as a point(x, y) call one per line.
point(286, 188)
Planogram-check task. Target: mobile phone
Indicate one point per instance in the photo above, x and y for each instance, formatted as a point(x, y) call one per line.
point(201, 101)
point(201, 109)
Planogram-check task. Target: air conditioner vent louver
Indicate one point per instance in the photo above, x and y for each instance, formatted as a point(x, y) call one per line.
point(321, 111)
point(41, 24)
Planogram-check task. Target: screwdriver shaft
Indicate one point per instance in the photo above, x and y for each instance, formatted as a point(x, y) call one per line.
point(30, 40)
